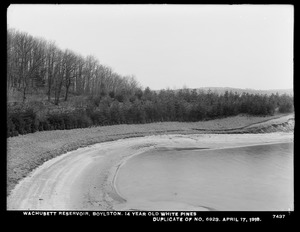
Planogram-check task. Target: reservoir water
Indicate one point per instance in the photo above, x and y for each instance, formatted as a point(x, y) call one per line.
point(252, 178)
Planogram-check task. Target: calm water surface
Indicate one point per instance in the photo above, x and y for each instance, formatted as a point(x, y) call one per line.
point(244, 179)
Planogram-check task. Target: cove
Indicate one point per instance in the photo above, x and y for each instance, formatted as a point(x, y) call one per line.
point(250, 178)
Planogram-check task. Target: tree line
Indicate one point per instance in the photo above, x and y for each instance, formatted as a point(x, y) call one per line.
point(34, 64)
point(37, 65)
point(146, 106)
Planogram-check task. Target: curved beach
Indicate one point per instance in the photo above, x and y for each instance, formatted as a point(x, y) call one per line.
point(84, 179)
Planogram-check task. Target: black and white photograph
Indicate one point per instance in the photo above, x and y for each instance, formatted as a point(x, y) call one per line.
point(128, 108)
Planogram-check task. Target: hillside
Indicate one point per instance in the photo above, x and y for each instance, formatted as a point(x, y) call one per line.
point(49, 88)
point(222, 90)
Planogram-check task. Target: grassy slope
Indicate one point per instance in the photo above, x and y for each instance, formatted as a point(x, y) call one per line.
point(26, 152)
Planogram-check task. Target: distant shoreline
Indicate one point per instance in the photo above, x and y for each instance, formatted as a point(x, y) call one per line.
point(27, 152)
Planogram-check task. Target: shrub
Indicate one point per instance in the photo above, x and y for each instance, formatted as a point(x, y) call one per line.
point(97, 117)
point(286, 107)
point(18, 122)
point(82, 119)
point(56, 121)
point(11, 129)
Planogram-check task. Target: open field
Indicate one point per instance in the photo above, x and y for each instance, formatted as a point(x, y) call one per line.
point(27, 152)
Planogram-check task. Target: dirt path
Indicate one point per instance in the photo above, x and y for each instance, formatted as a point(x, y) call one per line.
point(84, 179)
point(286, 121)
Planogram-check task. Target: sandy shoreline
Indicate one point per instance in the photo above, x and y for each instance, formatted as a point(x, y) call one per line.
point(49, 170)
point(27, 152)
point(84, 179)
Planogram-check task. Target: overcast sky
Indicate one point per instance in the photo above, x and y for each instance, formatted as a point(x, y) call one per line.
point(241, 46)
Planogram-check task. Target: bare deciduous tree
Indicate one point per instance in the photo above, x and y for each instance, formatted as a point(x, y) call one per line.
point(33, 64)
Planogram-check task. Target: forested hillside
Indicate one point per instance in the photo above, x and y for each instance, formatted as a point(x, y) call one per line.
point(222, 90)
point(50, 88)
